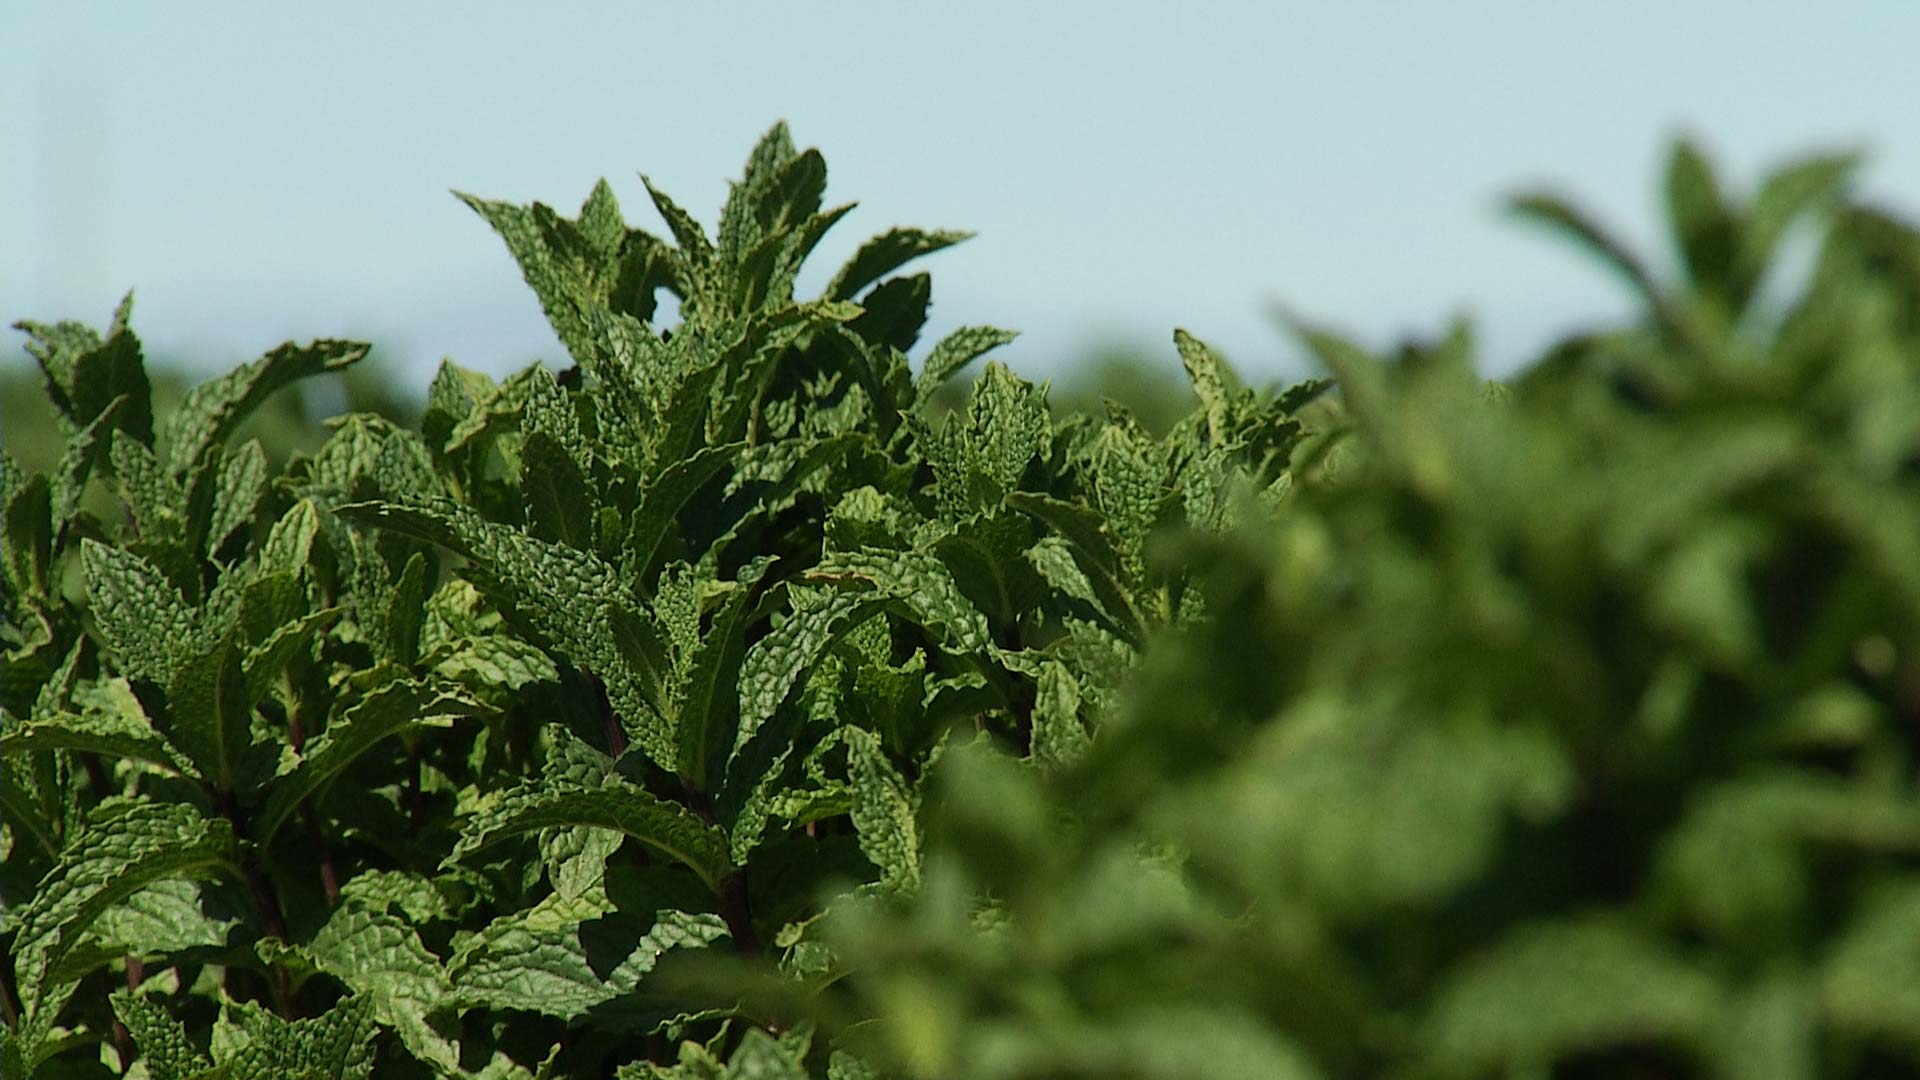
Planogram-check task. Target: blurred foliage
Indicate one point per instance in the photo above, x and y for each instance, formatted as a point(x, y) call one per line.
point(1558, 729)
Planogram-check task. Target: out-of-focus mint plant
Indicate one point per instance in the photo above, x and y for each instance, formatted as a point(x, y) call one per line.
point(1561, 728)
point(725, 704)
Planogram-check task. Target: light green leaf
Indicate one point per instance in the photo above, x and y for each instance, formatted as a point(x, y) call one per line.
point(243, 480)
point(127, 846)
point(1058, 737)
point(884, 809)
point(666, 827)
point(775, 664)
point(161, 1040)
point(380, 958)
point(338, 1045)
point(954, 352)
point(213, 409)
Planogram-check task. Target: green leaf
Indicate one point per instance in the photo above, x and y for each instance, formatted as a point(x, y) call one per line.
point(380, 959)
point(669, 490)
point(136, 609)
point(954, 352)
point(242, 483)
point(1783, 198)
point(707, 716)
point(1058, 737)
point(884, 254)
point(112, 722)
point(1702, 224)
point(112, 371)
point(919, 583)
point(1086, 533)
point(1870, 981)
point(623, 807)
point(400, 706)
point(783, 659)
point(210, 715)
point(213, 409)
point(29, 533)
point(127, 846)
point(338, 1045)
point(1212, 383)
point(884, 809)
point(583, 955)
point(161, 1040)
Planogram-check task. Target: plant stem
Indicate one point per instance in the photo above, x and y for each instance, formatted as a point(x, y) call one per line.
point(616, 735)
point(732, 889)
point(266, 904)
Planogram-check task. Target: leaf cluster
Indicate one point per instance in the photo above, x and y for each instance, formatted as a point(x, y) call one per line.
point(456, 749)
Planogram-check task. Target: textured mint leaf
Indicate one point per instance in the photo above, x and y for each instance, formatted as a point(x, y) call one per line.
point(1091, 543)
point(708, 711)
point(167, 916)
point(112, 371)
point(85, 450)
point(419, 898)
point(127, 846)
point(29, 532)
point(580, 955)
point(56, 347)
point(559, 277)
point(666, 827)
point(381, 960)
point(491, 662)
point(918, 583)
point(26, 802)
point(560, 505)
point(112, 722)
point(1213, 384)
point(884, 254)
point(210, 716)
point(137, 610)
point(264, 663)
point(664, 496)
point(397, 707)
point(213, 409)
point(570, 596)
point(694, 245)
point(1058, 737)
point(242, 483)
point(162, 1041)
point(954, 352)
point(979, 458)
point(775, 664)
point(156, 499)
point(883, 812)
point(338, 1044)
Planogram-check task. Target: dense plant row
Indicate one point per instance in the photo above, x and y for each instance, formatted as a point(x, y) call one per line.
point(720, 705)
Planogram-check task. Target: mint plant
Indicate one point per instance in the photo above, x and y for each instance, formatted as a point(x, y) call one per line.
point(724, 704)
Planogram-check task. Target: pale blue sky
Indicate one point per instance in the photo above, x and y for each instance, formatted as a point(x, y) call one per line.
point(259, 171)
